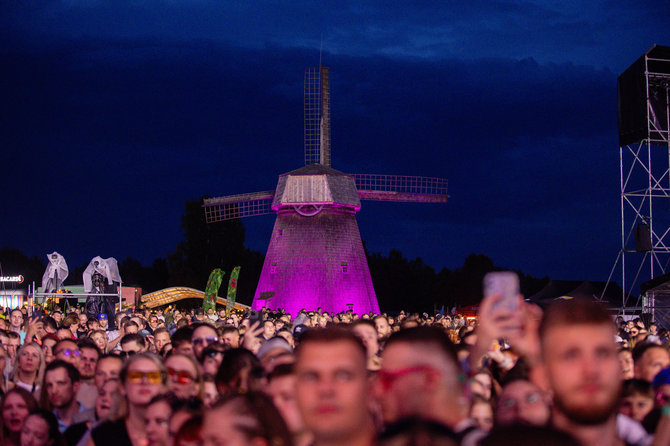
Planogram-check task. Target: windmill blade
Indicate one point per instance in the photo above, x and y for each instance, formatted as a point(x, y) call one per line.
point(401, 188)
point(317, 116)
point(231, 207)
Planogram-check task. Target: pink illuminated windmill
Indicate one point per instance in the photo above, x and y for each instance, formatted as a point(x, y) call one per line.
point(315, 257)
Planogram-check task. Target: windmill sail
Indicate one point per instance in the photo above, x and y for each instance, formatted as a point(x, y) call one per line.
point(317, 116)
point(401, 188)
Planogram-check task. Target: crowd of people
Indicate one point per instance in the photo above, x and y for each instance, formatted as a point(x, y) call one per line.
point(569, 374)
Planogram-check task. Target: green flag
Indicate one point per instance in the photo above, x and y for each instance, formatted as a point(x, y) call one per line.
point(212, 289)
point(232, 290)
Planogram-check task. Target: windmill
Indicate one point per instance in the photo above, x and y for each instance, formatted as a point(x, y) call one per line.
point(315, 257)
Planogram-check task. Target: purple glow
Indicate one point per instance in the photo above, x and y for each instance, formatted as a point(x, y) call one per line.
point(318, 261)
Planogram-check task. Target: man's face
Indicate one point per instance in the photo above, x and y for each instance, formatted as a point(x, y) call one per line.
point(332, 388)
point(103, 322)
point(282, 391)
point(60, 389)
point(153, 322)
point(106, 369)
point(368, 335)
point(160, 340)
point(68, 352)
point(383, 328)
point(82, 320)
point(202, 337)
point(131, 346)
point(268, 329)
point(400, 384)
point(88, 358)
point(583, 370)
point(12, 346)
point(652, 361)
point(58, 316)
point(231, 338)
point(16, 319)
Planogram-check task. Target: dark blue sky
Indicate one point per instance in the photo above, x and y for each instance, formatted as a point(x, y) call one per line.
point(115, 113)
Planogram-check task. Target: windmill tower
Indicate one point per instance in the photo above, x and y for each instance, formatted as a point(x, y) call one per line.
point(315, 257)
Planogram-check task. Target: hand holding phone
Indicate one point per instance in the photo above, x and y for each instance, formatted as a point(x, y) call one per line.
point(505, 284)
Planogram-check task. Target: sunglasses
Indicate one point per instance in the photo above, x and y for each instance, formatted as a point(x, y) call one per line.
point(180, 376)
point(68, 352)
point(127, 354)
point(136, 377)
point(206, 341)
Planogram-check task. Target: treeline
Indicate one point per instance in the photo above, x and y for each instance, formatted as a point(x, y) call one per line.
point(400, 283)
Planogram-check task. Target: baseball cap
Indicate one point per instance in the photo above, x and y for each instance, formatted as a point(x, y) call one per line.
point(102, 316)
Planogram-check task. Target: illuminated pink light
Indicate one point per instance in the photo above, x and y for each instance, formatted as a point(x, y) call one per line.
point(308, 258)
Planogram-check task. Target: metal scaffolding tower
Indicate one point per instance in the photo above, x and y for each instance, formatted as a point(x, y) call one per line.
point(644, 153)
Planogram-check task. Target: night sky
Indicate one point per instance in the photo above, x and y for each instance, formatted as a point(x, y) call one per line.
point(114, 113)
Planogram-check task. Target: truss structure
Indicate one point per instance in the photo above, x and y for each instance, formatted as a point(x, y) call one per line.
point(644, 152)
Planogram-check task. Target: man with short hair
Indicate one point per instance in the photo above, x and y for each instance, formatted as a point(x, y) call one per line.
point(281, 388)
point(88, 358)
point(61, 383)
point(580, 365)
point(230, 336)
point(332, 388)
point(203, 335)
point(268, 329)
point(383, 328)
point(133, 343)
point(107, 368)
point(161, 339)
point(67, 350)
point(13, 344)
point(16, 323)
point(420, 377)
point(648, 360)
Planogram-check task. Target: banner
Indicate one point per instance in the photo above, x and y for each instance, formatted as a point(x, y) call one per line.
point(232, 290)
point(212, 289)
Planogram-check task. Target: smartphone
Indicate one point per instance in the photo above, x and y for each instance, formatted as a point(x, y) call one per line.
point(255, 316)
point(505, 283)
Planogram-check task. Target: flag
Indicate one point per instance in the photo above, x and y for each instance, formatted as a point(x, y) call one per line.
point(232, 290)
point(212, 289)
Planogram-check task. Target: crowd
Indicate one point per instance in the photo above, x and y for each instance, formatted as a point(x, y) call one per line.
point(569, 374)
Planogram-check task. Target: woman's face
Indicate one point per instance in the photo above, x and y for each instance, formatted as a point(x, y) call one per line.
point(47, 349)
point(14, 412)
point(482, 414)
point(29, 359)
point(182, 377)
point(143, 381)
point(156, 422)
point(100, 341)
point(35, 432)
point(211, 394)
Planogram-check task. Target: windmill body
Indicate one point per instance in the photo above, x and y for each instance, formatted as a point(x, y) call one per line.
point(315, 257)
